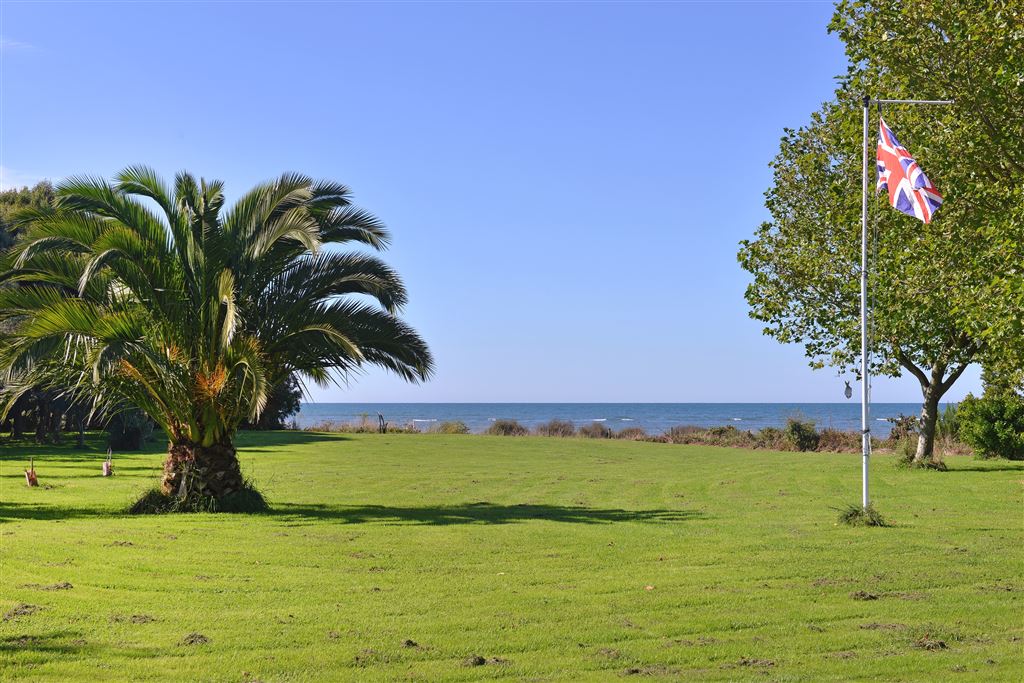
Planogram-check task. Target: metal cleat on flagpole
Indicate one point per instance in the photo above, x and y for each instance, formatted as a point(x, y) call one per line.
point(865, 397)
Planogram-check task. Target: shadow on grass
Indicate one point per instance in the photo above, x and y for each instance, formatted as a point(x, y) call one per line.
point(250, 441)
point(479, 513)
point(67, 642)
point(1001, 467)
point(439, 515)
point(20, 511)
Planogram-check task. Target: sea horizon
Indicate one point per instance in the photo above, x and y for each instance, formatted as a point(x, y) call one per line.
point(654, 417)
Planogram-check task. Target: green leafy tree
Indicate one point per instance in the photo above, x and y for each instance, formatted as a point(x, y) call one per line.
point(13, 200)
point(137, 293)
point(926, 280)
point(39, 409)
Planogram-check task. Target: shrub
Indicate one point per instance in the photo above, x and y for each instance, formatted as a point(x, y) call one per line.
point(993, 425)
point(855, 515)
point(453, 427)
point(632, 434)
point(802, 435)
point(683, 434)
point(364, 426)
point(902, 427)
point(947, 425)
point(596, 430)
point(556, 428)
point(129, 430)
point(772, 438)
point(839, 441)
point(507, 428)
point(715, 436)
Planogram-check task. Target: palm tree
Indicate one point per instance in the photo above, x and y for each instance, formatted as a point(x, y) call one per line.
point(135, 293)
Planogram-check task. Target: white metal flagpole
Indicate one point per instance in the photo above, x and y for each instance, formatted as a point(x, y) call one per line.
point(865, 390)
point(864, 396)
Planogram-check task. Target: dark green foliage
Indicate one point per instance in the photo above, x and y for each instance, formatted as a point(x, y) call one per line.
point(507, 428)
point(129, 430)
point(802, 435)
point(596, 430)
point(556, 428)
point(855, 515)
point(993, 425)
point(156, 502)
point(902, 427)
point(772, 438)
point(947, 426)
point(453, 427)
point(12, 201)
point(283, 402)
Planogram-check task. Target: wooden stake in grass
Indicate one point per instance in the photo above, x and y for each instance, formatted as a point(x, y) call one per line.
point(30, 473)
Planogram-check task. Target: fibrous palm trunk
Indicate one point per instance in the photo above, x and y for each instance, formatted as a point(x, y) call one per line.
point(191, 469)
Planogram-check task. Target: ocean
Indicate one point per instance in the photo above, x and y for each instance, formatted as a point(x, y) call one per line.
point(655, 418)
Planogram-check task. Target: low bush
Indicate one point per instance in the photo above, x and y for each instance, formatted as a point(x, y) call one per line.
point(838, 441)
point(902, 427)
point(772, 438)
point(364, 426)
point(802, 435)
point(632, 434)
point(947, 425)
point(556, 428)
point(993, 425)
point(855, 515)
point(507, 428)
point(453, 427)
point(596, 430)
point(714, 436)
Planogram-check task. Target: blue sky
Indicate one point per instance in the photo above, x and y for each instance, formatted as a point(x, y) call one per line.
point(566, 183)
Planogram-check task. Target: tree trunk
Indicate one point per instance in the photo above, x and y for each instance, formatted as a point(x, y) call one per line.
point(18, 418)
point(191, 469)
point(929, 417)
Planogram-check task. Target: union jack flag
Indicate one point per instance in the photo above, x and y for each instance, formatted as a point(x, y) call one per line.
point(910, 191)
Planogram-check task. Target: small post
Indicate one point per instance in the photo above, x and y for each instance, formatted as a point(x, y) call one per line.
point(30, 473)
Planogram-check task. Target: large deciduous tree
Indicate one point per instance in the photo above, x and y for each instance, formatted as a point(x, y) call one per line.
point(944, 294)
point(137, 293)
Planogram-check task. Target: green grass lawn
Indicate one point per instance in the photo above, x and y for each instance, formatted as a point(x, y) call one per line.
point(400, 557)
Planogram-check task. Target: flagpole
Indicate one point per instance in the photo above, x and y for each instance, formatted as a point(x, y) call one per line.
point(865, 395)
point(865, 398)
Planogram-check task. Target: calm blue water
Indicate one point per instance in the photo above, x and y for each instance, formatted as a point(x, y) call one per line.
point(653, 417)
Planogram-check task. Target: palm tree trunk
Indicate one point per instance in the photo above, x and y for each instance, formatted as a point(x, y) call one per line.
point(191, 469)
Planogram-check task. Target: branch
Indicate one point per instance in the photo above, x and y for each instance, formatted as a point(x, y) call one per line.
point(913, 369)
point(953, 377)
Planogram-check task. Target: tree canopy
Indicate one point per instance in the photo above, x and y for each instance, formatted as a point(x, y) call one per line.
point(944, 294)
point(160, 297)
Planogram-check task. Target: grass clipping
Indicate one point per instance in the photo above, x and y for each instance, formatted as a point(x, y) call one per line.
point(156, 502)
point(856, 515)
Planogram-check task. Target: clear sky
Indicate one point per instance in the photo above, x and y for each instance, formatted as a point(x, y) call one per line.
point(566, 184)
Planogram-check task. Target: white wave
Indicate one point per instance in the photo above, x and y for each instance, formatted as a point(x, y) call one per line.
point(600, 419)
point(625, 419)
point(736, 419)
point(424, 420)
